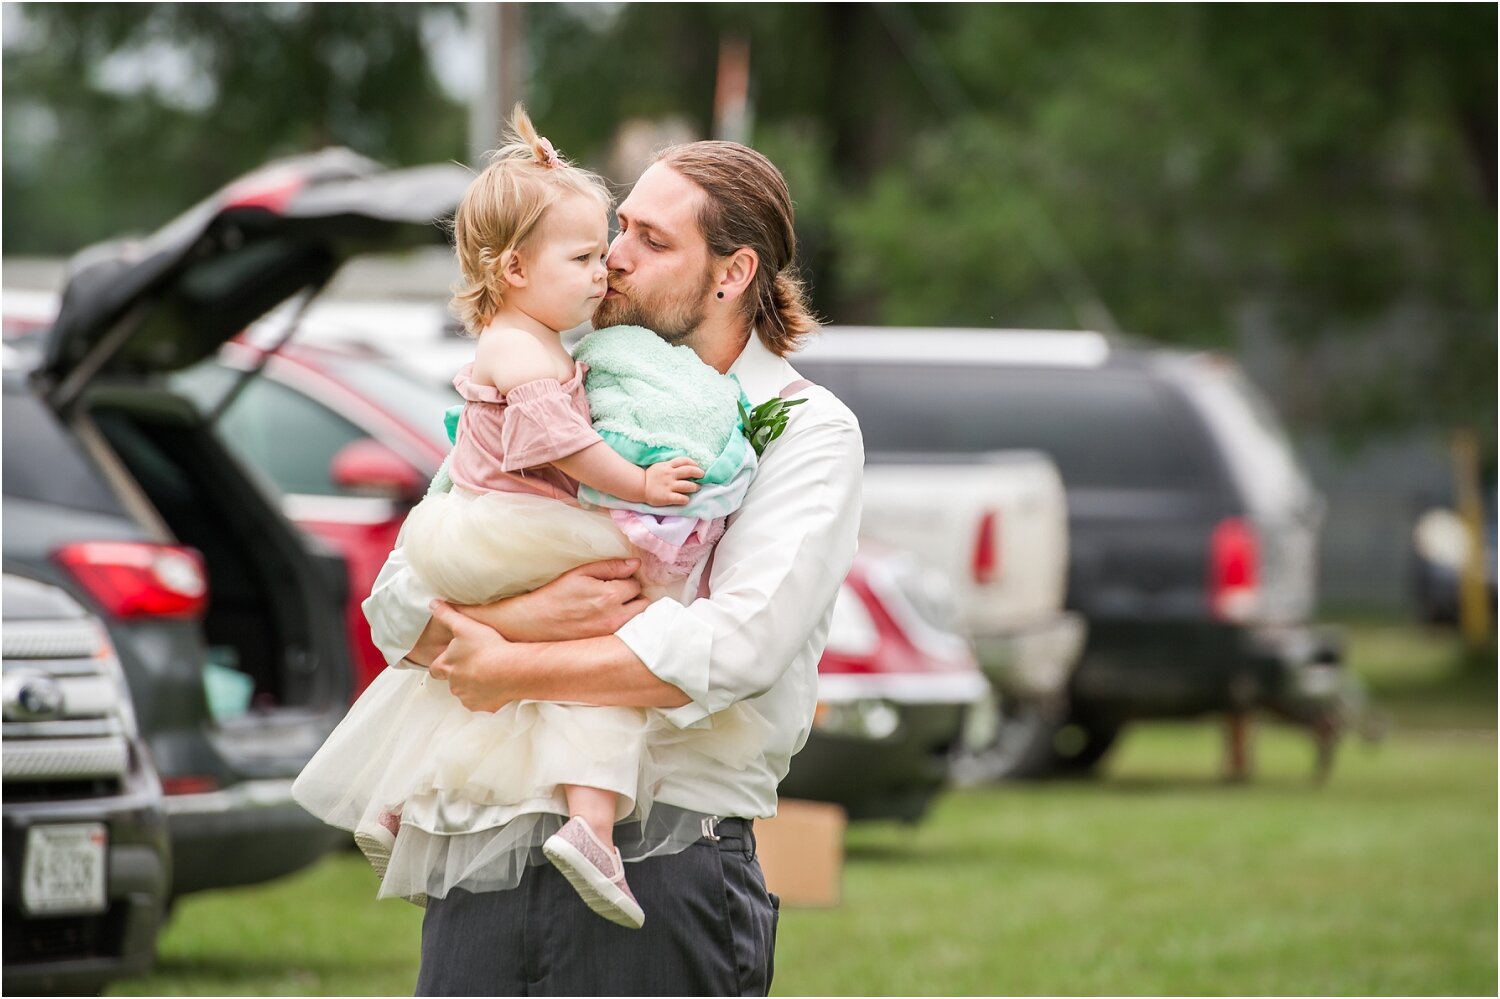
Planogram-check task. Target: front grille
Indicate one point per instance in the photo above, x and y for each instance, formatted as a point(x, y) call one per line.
point(62, 938)
point(80, 639)
point(41, 759)
point(19, 792)
point(73, 728)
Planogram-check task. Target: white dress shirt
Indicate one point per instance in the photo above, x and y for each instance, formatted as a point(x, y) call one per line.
point(760, 633)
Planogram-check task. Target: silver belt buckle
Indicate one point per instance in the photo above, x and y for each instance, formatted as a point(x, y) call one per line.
point(709, 824)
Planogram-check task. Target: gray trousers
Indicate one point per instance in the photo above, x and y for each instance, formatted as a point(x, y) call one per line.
point(710, 931)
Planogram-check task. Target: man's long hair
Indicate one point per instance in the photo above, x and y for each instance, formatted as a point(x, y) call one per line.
point(748, 205)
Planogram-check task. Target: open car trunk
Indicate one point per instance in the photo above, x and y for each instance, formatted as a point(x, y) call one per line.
point(275, 670)
point(277, 678)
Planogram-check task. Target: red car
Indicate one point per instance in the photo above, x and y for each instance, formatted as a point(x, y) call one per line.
point(350, 437)
point(346, 438)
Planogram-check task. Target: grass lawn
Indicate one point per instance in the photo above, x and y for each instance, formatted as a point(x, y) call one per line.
point(1155, 878)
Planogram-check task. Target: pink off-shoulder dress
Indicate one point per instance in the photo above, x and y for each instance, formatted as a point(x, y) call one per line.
point(511, 521)
point(478, 792)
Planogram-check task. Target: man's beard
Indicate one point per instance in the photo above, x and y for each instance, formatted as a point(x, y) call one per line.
point(672, 319)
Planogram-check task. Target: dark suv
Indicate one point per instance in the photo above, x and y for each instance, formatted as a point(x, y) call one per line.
point(229, 628)
point(87, 866)
point(1192, 529)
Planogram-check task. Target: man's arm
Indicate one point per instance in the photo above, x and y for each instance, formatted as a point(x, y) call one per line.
point(587, 602)
point(397, 609)
point(485, 671)
point(776, 573)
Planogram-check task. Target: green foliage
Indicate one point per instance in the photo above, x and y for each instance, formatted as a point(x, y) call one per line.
point(1316, 182)
point(766, 422)
point(1323, 178)
point(117, 116)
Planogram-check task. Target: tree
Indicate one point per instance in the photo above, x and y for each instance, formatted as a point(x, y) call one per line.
point(119, 115)
point(1322, 177)
point(1316, 183)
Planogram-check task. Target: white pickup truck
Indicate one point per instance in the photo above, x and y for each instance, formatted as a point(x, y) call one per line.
point(997, 529)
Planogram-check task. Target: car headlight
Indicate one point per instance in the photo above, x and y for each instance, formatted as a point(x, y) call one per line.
point(866, 718)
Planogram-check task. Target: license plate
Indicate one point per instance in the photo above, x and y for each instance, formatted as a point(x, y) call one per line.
point(64, 871)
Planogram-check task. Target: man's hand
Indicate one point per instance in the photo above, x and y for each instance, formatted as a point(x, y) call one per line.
point(486, 672)
point(587, 602)
point(433, 640)
point(474, 661)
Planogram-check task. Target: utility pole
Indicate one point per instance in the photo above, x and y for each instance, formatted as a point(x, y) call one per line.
point(1473, 602)
point(732, 109)
point(500, 30)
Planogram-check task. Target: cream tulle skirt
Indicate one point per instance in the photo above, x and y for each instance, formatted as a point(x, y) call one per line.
point(478, 791)
point(474, 548)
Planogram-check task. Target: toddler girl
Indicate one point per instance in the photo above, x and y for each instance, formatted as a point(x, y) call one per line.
point(440, 797)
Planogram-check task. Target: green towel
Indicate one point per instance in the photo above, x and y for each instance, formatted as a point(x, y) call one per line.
point(441, 482)
point(651, 402)
point(659, 396)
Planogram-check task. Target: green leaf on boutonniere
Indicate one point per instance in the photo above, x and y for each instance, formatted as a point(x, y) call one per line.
point(765, 422)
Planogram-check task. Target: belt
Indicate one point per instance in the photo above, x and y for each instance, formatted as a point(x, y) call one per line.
point(731, 834)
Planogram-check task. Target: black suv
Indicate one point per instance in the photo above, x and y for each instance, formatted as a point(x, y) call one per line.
point(230, 630)
point(87, 866)
point(1192, 529)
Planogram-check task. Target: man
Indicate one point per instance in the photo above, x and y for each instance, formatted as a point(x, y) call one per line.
point(704, 257)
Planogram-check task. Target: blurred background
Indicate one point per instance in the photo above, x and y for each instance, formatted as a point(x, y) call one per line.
point(1298, 202)
point(1313, 190)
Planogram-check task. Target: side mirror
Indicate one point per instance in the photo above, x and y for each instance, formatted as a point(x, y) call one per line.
point(368, 468)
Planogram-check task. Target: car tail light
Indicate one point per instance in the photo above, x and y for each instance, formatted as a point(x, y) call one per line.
point(189, 784)
point(271, 189)
point(133, 579)
point(987, 548)
point(1233, 584)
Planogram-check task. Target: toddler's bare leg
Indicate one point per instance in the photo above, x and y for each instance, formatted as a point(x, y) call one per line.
point(584, 851)
point(596, 807)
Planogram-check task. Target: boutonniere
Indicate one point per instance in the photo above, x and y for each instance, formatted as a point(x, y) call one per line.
point(765, 422)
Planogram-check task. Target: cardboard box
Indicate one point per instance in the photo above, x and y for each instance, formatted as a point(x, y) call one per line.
point(801, 851)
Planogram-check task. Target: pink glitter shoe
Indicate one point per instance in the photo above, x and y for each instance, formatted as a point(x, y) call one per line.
point(378, 840)
point(595, 871)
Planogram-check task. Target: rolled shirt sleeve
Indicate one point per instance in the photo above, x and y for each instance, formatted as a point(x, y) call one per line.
point(397, 607)
point(774, 576)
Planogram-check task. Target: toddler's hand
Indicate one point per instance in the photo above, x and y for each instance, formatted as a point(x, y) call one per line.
point(670, 483)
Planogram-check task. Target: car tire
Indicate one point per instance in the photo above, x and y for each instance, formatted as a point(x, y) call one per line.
point(1016, 746)
point(1033, 741)
point(1079, 744)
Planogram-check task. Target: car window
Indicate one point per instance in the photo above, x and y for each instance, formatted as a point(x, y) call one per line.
point(418, 403)
point(1103, 430)
point(290, 438)
point(42, 461)
point(1259, 453)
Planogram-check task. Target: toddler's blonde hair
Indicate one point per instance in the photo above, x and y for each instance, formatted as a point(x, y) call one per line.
point(502, 210)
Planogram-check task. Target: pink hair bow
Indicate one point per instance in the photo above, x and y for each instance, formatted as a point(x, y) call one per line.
point(549, 154)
